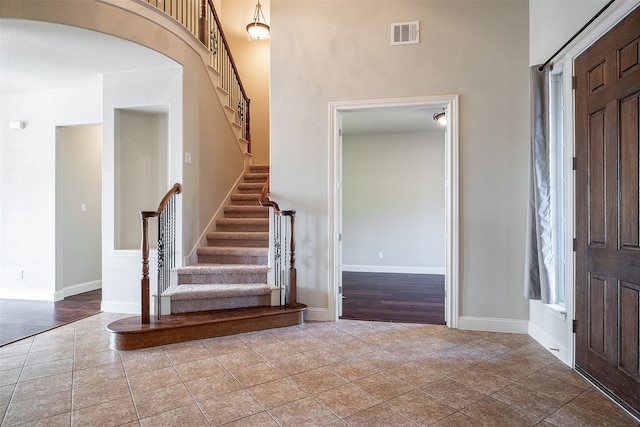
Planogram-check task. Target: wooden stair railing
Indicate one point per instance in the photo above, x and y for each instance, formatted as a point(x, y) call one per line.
point(284, 254)
point(166, 214)
point(201, 19)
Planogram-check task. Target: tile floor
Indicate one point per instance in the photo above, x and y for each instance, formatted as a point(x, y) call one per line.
point(348, 373)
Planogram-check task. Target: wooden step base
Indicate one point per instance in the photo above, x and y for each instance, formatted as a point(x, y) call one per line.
point(130, 334)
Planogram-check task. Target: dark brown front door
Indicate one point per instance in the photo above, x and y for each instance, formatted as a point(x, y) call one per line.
point(607, 211)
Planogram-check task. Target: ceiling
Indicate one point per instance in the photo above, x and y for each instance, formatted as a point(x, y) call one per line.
point(37, 55)
point(393, 120)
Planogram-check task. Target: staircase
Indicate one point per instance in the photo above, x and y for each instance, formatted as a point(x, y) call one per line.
point(226, 292)
point(232, 269)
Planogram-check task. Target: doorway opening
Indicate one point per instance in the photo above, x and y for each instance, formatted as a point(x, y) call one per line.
point(78, 211)
point(384, 161)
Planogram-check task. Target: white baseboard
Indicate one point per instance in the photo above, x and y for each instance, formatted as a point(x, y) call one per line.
point(558, 350)
point(490, 324)
point(392, 269)
point(82, 287)
point(119, 307)
point(316, 314)
point(28, 295)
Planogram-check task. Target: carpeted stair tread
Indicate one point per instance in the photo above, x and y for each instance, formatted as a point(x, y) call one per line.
point(240, 250)
point(256, 177)
point(206, 268)
point(247, 199)
point(224, 290)
point(250, 187)
point(255, 239)
point(246, 212)
point(242, 224)
point(259, 169)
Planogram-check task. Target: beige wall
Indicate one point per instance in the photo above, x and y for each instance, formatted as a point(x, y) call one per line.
point(323, 51)
point(252, 59)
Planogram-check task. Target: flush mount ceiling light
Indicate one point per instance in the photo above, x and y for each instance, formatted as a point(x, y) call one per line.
point(440, 118)
point(256, 29)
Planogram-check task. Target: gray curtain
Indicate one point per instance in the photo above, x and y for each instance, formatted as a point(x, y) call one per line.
point(539, 264)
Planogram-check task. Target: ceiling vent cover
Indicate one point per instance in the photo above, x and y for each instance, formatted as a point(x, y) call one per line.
point(405, 33)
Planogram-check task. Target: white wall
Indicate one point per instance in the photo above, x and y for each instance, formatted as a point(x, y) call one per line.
point(393, 202)
point(28, 185)
point(79, 211)
point(478, 50)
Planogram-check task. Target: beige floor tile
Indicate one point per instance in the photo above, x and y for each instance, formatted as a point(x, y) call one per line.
point(414, 374)
point(379, 416)
point(274, 351)
point(554, 387)
point(256, 374)
point(91, 394)
point(49, 355)
point(480, 380)
point(277, 393)
point(145, 362)
point(10, 376)
point(199, 369)
point(458, 420)
point(208, 387)
point(38, 408)
point(240, 359)
point(99, 374)
point(162, 399)
point(294, 363)
point(353, 369)
point(525, 399)
point(224, 345)
point(112, 413)
point(327, 355)
point(347, 400)
point(34, 388)
point(595, 401)
point(12, 362)
point(153, 379)
point(15, 349)
point(43, 370)
point(60, 420)
point(189, 415)
point(86, 361)
point(302, 413)
point(317, 380)
point(262, 419)
point(576, 415)
point(494, 412)
point(383, 386)
point(230, 407)
point(452, 393)
point(186, 352)
point(420, 408)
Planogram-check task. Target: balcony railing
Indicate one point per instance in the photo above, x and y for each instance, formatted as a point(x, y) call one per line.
point(201, 19)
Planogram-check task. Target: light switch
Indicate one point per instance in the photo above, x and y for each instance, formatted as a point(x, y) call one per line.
point(83, 207)
point(187, 158)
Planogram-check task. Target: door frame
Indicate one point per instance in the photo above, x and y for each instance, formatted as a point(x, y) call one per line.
point(451, 192)
point(614, 15)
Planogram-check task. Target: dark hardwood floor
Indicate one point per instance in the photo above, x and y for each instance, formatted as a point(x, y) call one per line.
point(20, 319)
point(393, 297)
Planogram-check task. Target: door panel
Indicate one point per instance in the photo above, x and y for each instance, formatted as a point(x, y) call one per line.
point(607, 211)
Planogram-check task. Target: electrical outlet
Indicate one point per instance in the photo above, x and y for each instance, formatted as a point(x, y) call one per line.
point(380, 255)
point(20, 274)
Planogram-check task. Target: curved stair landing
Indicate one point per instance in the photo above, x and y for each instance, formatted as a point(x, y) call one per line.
point(130, 334)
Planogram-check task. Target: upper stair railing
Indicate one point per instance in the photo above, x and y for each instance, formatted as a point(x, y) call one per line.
point(284, 249)
point(201, 19)
point(166, 215)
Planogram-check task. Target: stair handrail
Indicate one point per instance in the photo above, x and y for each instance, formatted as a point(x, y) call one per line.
point(285, 264)
point(195, 19)
point(166, 258)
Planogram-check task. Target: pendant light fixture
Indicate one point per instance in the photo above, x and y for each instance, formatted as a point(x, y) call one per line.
point(256, 29)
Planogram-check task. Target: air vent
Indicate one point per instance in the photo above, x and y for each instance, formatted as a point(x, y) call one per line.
point(405, 33)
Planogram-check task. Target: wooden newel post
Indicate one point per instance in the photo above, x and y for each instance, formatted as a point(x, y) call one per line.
point(292, 264)
point(202, 29)
point(144, 283)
